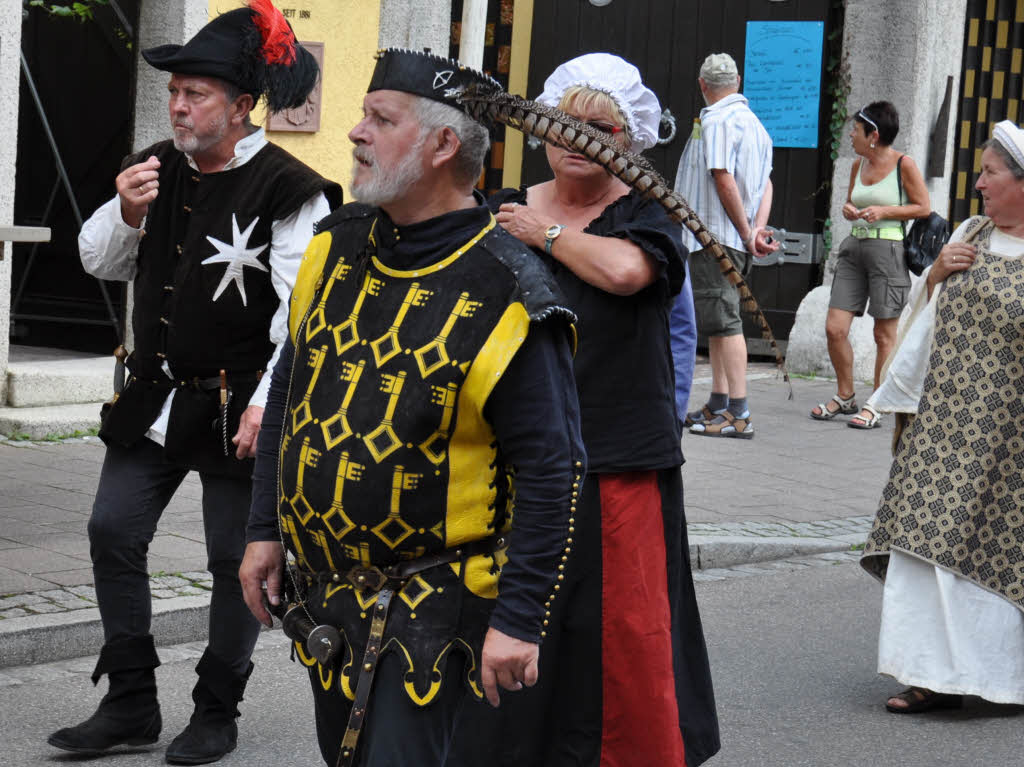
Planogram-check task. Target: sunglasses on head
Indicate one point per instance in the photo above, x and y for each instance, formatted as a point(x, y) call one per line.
point(867, 119)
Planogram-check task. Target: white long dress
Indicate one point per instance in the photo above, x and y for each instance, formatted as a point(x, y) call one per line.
point(940, 631)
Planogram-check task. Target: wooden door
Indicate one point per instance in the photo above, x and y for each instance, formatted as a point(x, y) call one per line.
point(83, 73)
point(668, 40)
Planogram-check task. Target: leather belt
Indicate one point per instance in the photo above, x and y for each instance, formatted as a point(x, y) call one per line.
point(205, 384)
point(386, 582)
point(373, 578)
point(880, 233)
point(367, 671)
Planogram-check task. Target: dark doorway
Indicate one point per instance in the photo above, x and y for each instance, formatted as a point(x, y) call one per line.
point(83, 74)
point(667, 40)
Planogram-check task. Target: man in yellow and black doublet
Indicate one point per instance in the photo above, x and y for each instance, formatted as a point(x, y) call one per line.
point(429, 431)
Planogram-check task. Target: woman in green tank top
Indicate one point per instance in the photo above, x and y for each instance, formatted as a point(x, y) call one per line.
point(870, 262)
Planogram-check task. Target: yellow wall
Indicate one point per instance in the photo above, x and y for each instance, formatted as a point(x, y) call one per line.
point(519, 71)
point(349, 30)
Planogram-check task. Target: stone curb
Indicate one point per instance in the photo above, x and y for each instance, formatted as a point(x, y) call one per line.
point(176, 620)
point(719, 551)
point(71, 634)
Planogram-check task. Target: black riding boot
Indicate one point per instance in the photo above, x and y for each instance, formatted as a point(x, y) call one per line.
point(129, 713)
point(212, 731)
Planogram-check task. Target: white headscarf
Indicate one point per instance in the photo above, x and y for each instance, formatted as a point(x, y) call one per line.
point(619, 79)
point(1011, 138)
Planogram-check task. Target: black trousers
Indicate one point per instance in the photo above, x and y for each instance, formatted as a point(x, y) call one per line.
point(396, 732)
point(136, 484)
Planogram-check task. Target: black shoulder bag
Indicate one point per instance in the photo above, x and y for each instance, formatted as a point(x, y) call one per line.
point(921, 245)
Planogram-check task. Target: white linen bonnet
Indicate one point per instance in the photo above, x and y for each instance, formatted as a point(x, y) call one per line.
point(618, 78)
point(1011, 138)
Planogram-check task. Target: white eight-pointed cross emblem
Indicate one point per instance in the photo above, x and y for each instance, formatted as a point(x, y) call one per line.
point(237, 256)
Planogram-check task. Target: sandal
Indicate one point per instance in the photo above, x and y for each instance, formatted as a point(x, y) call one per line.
point(704, 415)
point(860, 422)
point(920, 699)
point(847, 406)
point(725, 424)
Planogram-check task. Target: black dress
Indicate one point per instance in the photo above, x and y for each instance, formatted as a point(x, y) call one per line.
point(624, 676)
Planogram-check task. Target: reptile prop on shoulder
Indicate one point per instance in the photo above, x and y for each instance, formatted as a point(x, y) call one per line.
point(558, 128)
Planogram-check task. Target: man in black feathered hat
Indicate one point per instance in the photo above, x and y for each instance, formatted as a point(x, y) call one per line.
point(211, 227)
point(427, 381)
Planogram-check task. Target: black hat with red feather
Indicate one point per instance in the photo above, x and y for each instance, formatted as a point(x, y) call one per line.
point(253, 48)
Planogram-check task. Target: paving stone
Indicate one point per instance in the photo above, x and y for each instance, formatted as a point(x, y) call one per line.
point(43, 672)
point(30, 598)
point(752, 569)
point(14, 612)
point(14, 582)
point(76, 604)
point(79, 665)
point(785, 565)
point(46, 608)
point(7, 680)
point(53, 595)
point(194, 649)
point(168, 581)
point(840, 555)
point(70, 578)
point(172, 654)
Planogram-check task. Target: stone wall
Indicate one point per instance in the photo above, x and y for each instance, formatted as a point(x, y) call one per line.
point(416, 24)
point(899, 52)
point(10, 76)
point(160, 22)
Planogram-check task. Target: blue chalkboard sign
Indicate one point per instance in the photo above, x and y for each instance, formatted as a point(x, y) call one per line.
point(782, 78)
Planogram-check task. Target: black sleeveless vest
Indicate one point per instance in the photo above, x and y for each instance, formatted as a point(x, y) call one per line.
point(204, 298)
point(203, 293)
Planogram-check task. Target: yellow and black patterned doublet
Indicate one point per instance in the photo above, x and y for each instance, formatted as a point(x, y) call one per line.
point(386, 454)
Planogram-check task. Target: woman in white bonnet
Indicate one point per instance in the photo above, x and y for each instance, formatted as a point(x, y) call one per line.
point(624, 675)
point(948, 538)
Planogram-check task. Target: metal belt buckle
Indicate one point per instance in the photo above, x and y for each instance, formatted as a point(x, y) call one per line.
point(367, 578)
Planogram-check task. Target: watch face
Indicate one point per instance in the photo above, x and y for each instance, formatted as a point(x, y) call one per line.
point(553, 231)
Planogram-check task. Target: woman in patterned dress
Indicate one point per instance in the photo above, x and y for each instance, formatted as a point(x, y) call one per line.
point(948, 538)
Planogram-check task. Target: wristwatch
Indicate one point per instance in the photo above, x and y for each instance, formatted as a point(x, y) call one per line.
point(550, 235)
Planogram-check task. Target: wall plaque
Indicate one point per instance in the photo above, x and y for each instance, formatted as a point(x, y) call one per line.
point(305, 118)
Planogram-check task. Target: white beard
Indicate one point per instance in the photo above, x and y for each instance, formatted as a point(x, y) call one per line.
point(191, 143)
point(387, 185)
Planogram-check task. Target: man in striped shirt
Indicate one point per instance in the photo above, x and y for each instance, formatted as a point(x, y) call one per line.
point(724, 175)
